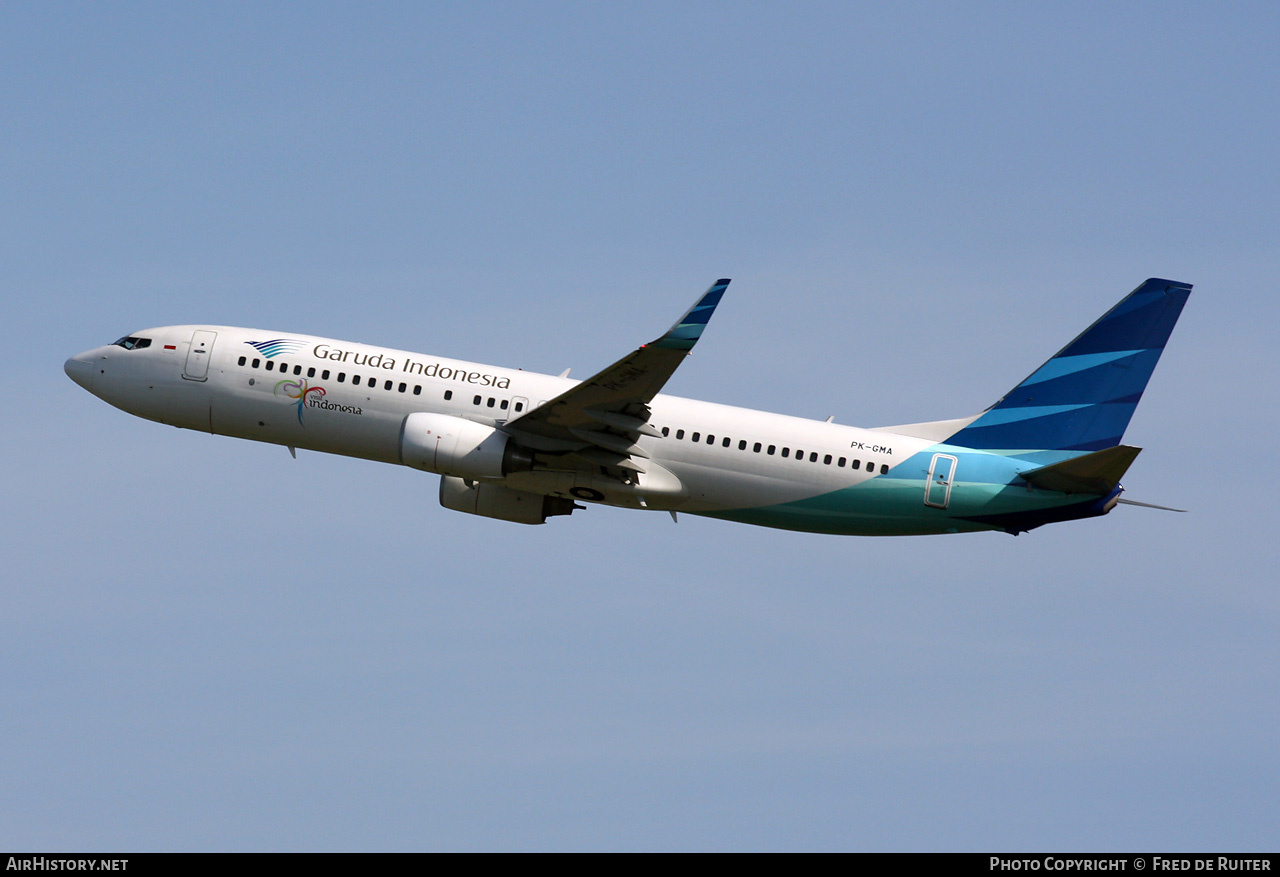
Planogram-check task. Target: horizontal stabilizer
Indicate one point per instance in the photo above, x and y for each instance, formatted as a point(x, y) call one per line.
point(1097, 473)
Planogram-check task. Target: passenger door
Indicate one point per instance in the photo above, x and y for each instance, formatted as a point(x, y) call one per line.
point(197, 367)
point(937, 490)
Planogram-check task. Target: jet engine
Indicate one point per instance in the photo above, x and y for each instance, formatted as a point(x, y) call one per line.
point(503, 503)
point(454, 446)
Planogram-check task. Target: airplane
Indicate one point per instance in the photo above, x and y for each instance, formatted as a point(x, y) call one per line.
point(524, 447)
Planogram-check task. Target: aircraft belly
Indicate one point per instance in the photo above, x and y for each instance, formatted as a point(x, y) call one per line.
point(894, 506)
point(334, 427)
point(655, 488)
point(144, 389)
point(874, 508)
point(185, 405)
point(713, 488)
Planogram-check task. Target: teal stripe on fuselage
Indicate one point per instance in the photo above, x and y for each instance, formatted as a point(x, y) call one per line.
point(893, 504)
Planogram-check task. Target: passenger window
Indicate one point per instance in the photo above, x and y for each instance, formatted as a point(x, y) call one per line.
point(270, 365)
point(284, 367)
point(311, 372)
point(355, 379)
point(448, 394)
point(666, 431)
point(519, 406)
point(755, 449)
point(297, 369)
point(679, 433)
point(697, 437)
point(856, 464)
point(489, 404)
point(711, 440)
point(476, 401)
point(725, 443)
point(884, 468)
point(840, 462)
point(813, 457)
point(324, 375)
point(826, 461)
point(256, 362)
point(786, 452)
point(242, 361)
point(342, 376)
point(772, 448)
point(504, 404)
point(403, 387)
point(742, 445)
point(417, 389)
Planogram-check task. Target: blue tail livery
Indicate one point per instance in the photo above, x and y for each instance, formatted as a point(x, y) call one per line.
point(1082, 398)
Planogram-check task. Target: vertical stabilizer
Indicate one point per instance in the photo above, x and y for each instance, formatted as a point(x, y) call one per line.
point(1082, 398)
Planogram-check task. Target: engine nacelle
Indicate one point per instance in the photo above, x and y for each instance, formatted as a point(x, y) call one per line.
point(454, 446)
point(503, 503)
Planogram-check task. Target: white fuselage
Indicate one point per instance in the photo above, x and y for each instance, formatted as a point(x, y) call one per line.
point(522, 447)
point(345, 398)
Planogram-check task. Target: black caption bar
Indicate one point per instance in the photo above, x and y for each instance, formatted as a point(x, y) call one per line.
point(975, 863)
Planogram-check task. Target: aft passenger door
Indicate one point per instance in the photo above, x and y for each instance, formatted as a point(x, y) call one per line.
point(937, 490)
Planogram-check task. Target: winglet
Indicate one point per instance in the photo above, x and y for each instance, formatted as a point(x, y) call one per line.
point(688, 329)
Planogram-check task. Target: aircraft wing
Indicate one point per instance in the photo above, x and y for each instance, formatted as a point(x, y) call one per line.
point(601, 418)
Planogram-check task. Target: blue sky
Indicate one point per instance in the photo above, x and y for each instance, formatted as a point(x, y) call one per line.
point(209, 645)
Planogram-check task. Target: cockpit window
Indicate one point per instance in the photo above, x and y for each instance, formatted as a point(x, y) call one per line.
point(131, 342)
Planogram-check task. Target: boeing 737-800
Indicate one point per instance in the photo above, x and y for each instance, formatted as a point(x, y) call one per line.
point(524, 447)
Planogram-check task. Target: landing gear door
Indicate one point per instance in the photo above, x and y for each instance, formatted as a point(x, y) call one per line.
point(197, 367)
point(937, 490)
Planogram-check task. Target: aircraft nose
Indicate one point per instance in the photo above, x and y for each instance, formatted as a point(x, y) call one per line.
point(80, 370)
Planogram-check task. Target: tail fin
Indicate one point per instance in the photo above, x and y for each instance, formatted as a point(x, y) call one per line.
point(1082, 398)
